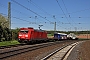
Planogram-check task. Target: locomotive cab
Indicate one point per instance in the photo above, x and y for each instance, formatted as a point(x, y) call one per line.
point(24, 35)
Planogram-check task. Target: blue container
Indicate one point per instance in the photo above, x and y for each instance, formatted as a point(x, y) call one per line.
point(57, 36)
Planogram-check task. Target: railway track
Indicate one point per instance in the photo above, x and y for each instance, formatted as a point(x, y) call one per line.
point(15, 51)
point(4, 54)
point(10, 46)
point(61, 53)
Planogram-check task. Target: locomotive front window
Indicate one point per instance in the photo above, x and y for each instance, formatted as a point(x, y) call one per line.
point(24, 31)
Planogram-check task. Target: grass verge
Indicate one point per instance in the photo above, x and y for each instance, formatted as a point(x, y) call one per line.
point(6, 43)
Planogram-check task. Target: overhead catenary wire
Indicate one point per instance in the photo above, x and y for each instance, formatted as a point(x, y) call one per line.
point(53, 16)
point(30, 10)
point(19, 12)
point(18, 17)
point(63, 12)
point(67, 11)
point(42, 10)
point(23, 20)
point(66, 8)
point(31, 2)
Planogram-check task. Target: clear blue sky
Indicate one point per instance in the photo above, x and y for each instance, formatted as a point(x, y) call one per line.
point(68, 14)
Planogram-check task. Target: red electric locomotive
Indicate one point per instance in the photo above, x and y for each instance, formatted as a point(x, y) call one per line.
point(29, 34)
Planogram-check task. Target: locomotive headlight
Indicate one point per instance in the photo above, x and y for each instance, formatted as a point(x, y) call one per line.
point(20, 35)
point(26, 35)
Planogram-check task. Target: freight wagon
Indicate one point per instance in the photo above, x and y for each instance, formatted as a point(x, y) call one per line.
point(60, 36)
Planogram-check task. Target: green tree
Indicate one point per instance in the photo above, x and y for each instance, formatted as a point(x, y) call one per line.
point(5, 32)
point(4, 21)
point(15, 33)
point(1, 32)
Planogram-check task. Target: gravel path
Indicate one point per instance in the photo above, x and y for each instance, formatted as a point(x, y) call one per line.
point(81, 52)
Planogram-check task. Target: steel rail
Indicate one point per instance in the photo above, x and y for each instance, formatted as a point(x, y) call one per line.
point(9, 53)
